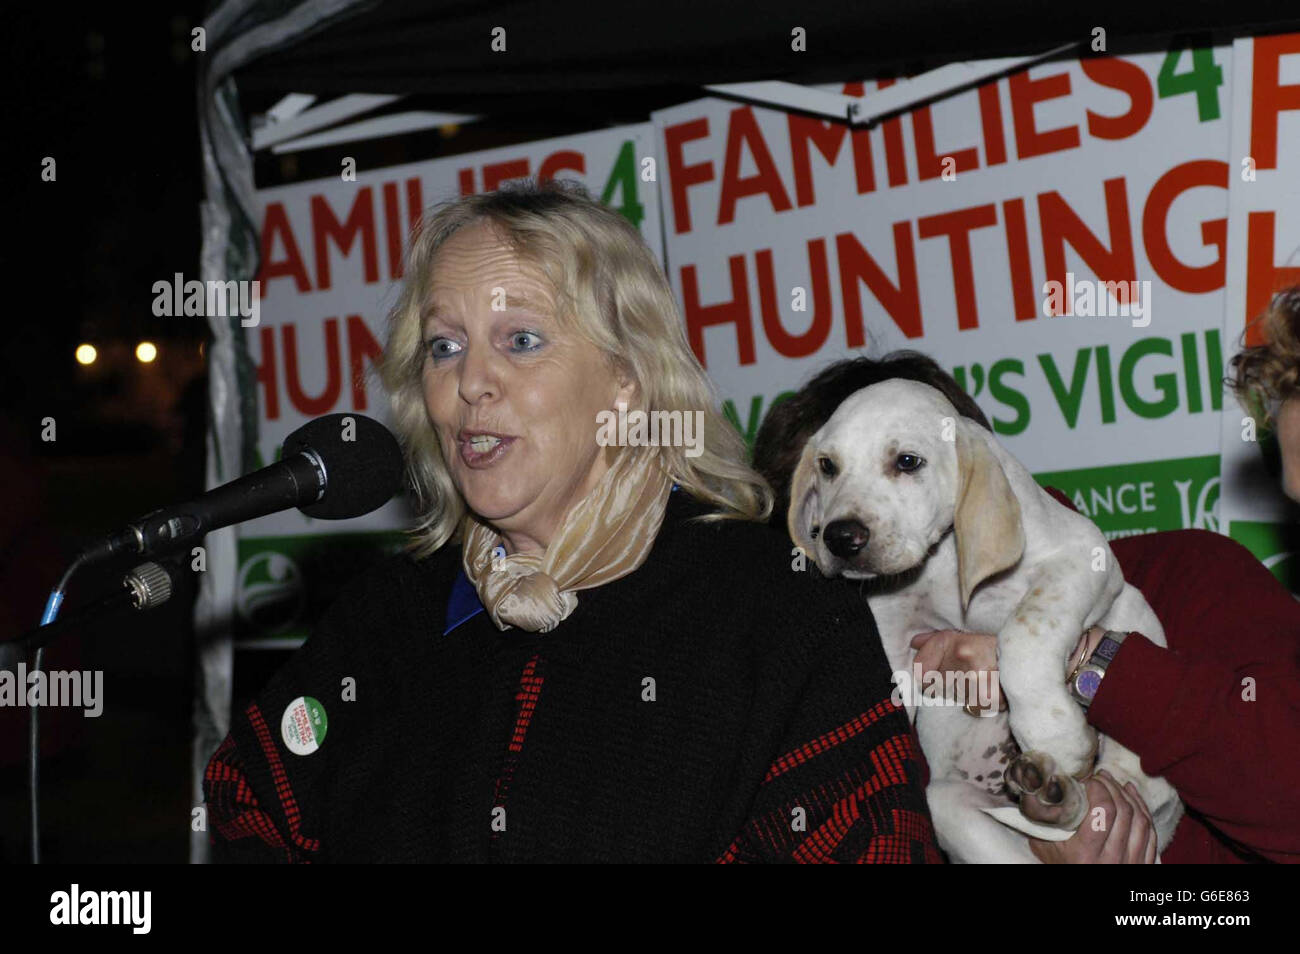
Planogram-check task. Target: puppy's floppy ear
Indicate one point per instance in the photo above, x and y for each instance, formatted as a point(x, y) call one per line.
point(805, 505)
point(986, 522)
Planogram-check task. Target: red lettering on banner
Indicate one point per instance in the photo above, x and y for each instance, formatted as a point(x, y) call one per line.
point(495, 173)
point(414, 202)
point(864, 172)
point(393, 230)
point(465, 178)
point(698, 317)
point(1025, 92)
point(895, 160)
point(786, 344)
point(1187, 278)
point(1022, 276)
point(957, 227)
point(362, 347)
point(1263, 277)
point(929, 161)
point(1060, 225)
point(901, 301)
point(1269, 97)
point(828, 137)
point(743, 131)
point(557, 162)
point(995, 144)
point(276, 225)
point(323, 402)
point(1128, 78)
point(682, 176)
point(360, 223)
point(267, 376)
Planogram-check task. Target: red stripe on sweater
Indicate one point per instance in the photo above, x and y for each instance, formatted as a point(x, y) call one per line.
point(235, 812)
point(281, 779)
point(900, 837)
point(829, 740)
point(895, 848)
point(530, 690)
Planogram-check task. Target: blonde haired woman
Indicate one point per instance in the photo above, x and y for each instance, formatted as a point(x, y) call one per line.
point(589, 653)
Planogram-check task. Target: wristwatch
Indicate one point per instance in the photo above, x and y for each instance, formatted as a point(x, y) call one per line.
point(1086, 678)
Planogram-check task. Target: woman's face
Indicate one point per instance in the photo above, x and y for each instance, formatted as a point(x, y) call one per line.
point(1288, 436)
point(513, 396)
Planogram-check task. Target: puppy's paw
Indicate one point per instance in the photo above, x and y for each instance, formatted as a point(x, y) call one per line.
point(1046, 796)
point(1062, 731)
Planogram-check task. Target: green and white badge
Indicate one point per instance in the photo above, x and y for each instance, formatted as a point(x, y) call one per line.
point(303, 725)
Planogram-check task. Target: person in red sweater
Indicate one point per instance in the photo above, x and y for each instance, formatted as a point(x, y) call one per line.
point(1217, 713)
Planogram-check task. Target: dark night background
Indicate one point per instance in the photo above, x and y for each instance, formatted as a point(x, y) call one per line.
point(111, 99)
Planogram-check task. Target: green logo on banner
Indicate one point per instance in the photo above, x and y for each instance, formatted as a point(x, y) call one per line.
point(1128, 499)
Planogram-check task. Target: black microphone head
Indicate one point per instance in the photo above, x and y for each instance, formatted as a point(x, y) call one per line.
point(363, 464)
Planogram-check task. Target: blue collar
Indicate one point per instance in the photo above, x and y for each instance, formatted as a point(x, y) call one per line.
point(464, 604)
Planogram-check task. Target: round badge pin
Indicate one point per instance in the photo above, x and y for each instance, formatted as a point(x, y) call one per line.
point(303, 725)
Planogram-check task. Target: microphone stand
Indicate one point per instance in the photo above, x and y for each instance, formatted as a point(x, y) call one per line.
point(145, 587)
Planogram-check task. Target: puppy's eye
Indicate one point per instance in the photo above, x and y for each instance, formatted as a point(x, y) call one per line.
point(827, 466)
point(908, 462)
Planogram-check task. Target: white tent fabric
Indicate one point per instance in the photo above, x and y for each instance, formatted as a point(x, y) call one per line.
point(236, 32)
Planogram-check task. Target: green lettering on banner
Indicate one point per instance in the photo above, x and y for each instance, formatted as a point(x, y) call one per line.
point(1214, 358)
point(1204, 79)
point(622, 176)
point(1069, 399)
point(1166, 384)
point(1276, 545)
point(1105, 385)
point(1144, 497)
point(1070, 396)
point(1009, 396)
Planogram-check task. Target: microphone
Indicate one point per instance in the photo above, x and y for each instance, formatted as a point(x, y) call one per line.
point(333, 468)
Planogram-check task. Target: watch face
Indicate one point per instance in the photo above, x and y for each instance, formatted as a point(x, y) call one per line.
point(1087, 682)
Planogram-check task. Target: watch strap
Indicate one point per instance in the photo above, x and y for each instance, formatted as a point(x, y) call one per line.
point(1086, 680)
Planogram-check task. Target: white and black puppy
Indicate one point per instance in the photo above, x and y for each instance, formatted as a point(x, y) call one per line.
point(899, 488)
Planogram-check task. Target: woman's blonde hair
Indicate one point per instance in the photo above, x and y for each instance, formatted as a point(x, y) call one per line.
point(609, 287)
point(1268, 375)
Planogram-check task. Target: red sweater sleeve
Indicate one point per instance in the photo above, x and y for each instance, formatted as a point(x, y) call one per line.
point(1218, 712)
point(847, 781)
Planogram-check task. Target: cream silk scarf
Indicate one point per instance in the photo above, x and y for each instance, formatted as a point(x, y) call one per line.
point(606, 535)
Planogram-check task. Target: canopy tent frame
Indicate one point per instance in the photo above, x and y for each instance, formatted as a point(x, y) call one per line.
point(246, 39)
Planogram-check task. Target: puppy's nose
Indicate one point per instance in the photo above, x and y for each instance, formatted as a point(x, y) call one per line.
point(845, 538)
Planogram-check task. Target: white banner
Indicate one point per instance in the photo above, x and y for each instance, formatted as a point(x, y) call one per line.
point(794, 241)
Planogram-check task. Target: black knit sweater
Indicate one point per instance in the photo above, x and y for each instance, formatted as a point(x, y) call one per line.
point(714, 705)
